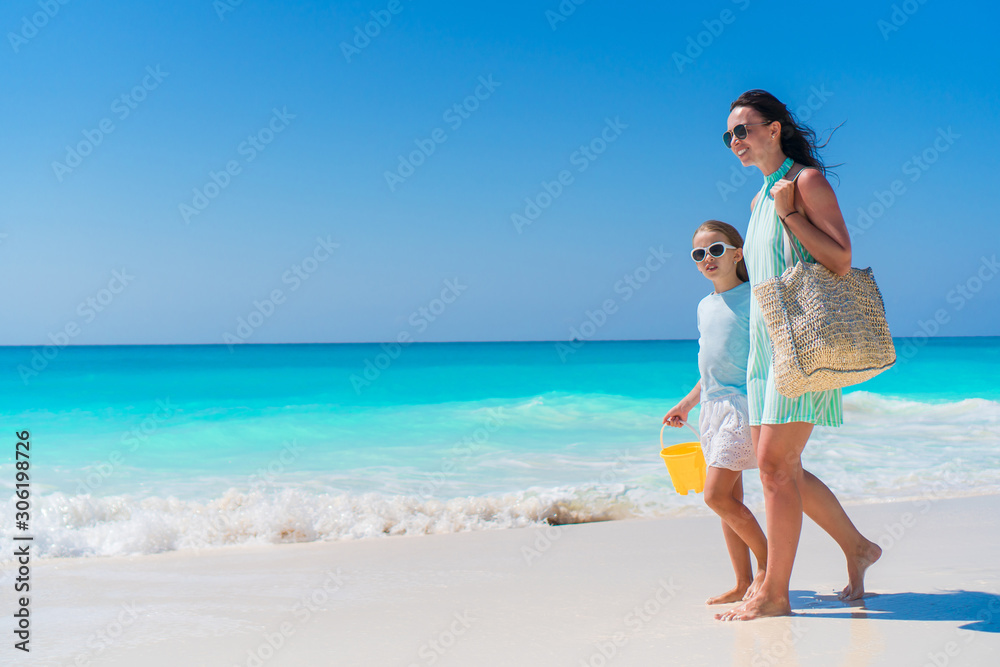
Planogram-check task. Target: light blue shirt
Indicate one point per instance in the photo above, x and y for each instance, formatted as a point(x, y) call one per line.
point(724, 345)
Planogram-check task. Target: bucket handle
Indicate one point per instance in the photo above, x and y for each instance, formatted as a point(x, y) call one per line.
point(696, 434)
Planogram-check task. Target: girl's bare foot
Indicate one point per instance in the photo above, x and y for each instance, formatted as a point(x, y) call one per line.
point(866, 555)
point(734, 595)
point(755, 586)
point(757, 607)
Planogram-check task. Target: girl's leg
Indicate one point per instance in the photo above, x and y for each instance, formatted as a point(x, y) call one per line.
point(724, 494)
point(720, 483)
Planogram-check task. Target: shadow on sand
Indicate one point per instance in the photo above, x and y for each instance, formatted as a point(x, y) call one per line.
point(981, 611)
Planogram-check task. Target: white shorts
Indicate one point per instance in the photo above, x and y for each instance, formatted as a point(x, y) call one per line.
point(725, 433)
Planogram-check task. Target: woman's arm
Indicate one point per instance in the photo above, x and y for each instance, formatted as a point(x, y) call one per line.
point(679, 413)
point(814, 217)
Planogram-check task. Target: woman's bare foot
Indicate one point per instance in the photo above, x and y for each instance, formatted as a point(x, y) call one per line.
point(734, 595)
point(866, 555)
point(757, 607)
point(758, 580)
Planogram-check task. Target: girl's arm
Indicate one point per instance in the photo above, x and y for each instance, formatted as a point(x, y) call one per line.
point(814, 217)
point(679, 413)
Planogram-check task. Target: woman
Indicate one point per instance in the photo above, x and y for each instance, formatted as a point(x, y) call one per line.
point(762, 133)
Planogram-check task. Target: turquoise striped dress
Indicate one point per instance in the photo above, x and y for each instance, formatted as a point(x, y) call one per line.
point(765, 258)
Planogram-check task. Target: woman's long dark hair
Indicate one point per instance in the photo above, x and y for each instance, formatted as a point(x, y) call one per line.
point(798, 141)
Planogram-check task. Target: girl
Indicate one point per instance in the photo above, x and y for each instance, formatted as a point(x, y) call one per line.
point(762, 133)
point(724, 345)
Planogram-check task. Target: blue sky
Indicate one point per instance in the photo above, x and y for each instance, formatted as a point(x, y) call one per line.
point(173, 169)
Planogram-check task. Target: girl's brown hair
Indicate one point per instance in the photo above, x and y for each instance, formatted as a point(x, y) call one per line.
point(734, 239)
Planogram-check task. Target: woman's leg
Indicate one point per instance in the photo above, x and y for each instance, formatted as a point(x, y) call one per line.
point(822, 506)
point(787, 482)
point(779, 448)
point(724, 494)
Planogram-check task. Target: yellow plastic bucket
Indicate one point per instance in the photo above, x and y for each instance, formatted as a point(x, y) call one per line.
point(686, 465)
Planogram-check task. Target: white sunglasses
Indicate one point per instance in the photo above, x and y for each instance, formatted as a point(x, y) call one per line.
point(716, 250)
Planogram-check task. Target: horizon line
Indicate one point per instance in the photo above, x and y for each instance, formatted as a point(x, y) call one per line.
point(434, 342)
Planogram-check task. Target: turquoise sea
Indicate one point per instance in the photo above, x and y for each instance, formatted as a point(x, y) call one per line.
point(145, 449)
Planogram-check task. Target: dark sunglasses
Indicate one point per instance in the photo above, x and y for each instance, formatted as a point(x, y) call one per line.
point(716, 250)
point(741, 132)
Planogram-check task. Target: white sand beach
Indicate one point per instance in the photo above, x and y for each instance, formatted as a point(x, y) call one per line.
point(615, 593)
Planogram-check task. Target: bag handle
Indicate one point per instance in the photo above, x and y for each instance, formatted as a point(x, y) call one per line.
point(788, 237)
point(663, 428)
point(787, 240)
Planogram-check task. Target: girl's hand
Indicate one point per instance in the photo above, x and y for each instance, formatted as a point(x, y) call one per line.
point(783, 193)
point(676, 416)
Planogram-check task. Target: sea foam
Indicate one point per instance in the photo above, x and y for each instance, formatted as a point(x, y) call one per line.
point(888, 449)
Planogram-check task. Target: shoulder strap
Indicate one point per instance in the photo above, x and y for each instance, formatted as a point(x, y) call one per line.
point(788, 237)
point(787, 246)
point(799, 173)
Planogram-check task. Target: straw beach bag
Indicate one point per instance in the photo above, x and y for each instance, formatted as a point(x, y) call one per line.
point(827, 331)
